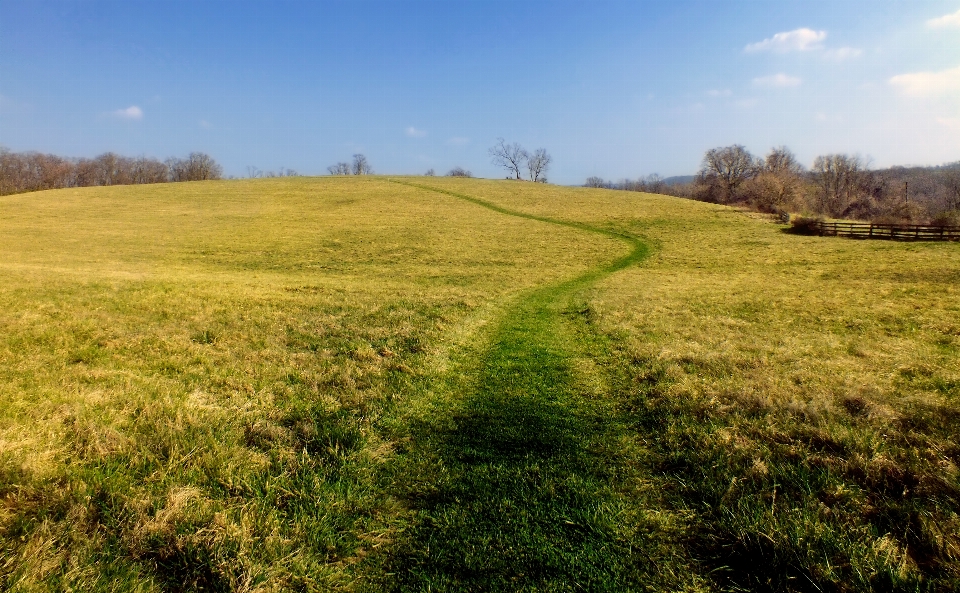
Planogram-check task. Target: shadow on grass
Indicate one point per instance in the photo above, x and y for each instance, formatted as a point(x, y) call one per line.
point(510, 496)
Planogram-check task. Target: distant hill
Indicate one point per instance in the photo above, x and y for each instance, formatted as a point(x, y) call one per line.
point(678, 179)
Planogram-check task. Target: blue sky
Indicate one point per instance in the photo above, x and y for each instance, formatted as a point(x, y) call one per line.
point(614, 89)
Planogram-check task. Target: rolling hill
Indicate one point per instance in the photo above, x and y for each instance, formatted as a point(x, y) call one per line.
point(409, 384)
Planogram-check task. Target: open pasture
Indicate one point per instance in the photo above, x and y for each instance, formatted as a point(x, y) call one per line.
point(368, 384)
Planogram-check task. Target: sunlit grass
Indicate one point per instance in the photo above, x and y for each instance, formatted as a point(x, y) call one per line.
point(796, 394)
point(189, 373)
point(306, 384)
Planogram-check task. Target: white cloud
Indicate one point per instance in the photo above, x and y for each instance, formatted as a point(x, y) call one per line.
point(719, 92)
point(797, 40)
point(458, 141)
point(777, 81)
point(926, 84)
point(415, 133)
point(947, 21)
point(842, 53)
point(133, 113)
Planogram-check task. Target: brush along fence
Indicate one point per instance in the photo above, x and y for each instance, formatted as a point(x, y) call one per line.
point(896, 232)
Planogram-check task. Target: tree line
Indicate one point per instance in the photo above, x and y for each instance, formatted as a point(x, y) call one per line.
point(33, 171)
point(836, 186)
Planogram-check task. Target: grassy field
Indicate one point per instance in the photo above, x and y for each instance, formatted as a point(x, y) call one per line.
point(430, 384)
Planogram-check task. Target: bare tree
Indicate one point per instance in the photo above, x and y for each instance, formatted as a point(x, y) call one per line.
point(840, 180)
point(653, 183)
point(177, 168)
point(86, 172)
point(112, 169)
point(726, 168)
point(146, 170)
point(777, 184)
point(430, 173)
point(459, 172)
point(10, 171)
point(951, 181)
point(202, 167)
point(595, 182)
point(339, 169)
point(361, 166)
point(537, 164)
point(284, 172)
point(511, 157)
point(781, 160)
point(51, 172)
point(197, 166)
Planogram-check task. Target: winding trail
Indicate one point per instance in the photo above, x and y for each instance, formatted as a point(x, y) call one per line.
point(518, 483)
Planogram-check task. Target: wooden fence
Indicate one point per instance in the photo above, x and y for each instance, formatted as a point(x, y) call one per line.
point(896, 232)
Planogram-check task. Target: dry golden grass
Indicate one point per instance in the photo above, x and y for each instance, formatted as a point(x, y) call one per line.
point(177, 352)
point(816, 378)
point(797, 318)
point(200, 383)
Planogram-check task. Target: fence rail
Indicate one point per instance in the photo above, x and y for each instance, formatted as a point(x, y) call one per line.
point(896, 232)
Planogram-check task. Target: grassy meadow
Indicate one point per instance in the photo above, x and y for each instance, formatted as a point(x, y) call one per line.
point(433, 384)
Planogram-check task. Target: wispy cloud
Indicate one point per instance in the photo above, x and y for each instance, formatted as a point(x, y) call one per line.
point(415, 133)
point(130, 113)
point(205, 124)
point(797, 40)
point(928, 84)
point(947, 21)
point(458, 141)
point(746, 103)
point(719, 93)
point(842, 53)
point(777, 81)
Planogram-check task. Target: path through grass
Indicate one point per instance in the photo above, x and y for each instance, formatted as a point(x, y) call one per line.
point(188, 399)
point(519, 482)
point(351, 384)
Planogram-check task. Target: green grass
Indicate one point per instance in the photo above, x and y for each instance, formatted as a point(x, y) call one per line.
point(516, 479)
point(443, 384)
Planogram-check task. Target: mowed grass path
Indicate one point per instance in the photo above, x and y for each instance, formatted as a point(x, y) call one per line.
point(353, 384)
point(194, 376)
point(794, 398)
point(518, 483)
